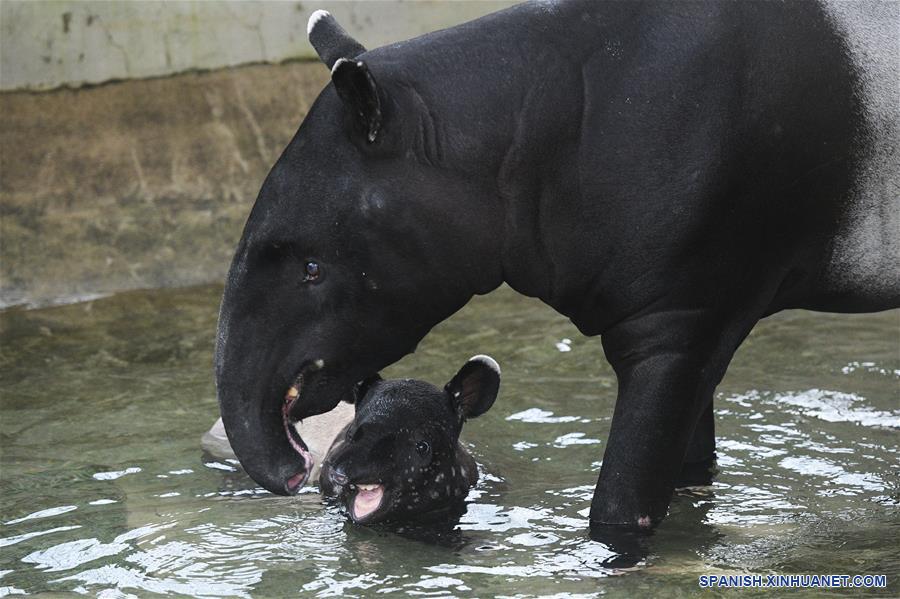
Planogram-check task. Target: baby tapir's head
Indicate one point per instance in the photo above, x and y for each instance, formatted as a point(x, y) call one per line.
point(401, 457)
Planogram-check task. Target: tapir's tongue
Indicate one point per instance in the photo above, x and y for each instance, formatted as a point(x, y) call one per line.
point(367, 500)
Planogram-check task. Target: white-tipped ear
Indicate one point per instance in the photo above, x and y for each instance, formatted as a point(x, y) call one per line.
point(329, 39)
point(488, 361)
point(315, 18)
point(474, 388)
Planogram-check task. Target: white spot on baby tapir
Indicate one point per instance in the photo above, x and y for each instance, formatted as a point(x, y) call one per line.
point(409, 480)
point(438, 478)
point(372, 202)
point(435, 494)
point(320, 363)
point(315, 18)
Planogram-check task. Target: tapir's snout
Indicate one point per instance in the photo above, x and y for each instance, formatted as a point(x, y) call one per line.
point(269, 448)
point(329, 485)
point(261, 399)
point(337, 478)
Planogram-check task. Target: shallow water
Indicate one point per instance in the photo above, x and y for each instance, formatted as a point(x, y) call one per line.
point(104, 491)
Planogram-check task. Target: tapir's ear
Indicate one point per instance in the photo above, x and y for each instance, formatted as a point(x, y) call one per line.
point(352, 79)
point(330, 40)
point(356, 87)
point(474, 388)
point(361, 388)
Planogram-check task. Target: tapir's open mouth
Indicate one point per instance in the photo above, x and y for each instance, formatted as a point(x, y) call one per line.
point(366, 501)
point(291, 398)
point(308, 379)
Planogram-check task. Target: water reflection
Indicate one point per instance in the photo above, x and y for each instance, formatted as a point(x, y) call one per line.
point(834, 406)
point(47, 513)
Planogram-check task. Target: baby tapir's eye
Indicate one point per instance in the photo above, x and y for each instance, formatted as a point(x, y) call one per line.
point(422, 447)
point(313, 272)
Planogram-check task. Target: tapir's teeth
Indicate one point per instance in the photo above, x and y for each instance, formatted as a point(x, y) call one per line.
point(368, 487)
point(293, 393)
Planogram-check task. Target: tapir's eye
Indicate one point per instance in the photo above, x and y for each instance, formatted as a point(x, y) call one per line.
point(422, 447)
point(313, 272)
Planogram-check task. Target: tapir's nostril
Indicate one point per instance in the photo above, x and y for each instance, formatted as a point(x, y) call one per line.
point(338, 477)
point(293, 484)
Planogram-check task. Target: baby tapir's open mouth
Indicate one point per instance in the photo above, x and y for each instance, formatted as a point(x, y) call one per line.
point(366, 501)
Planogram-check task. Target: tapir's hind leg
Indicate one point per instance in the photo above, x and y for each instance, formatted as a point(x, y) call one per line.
point(668, 364)
point(699, 464)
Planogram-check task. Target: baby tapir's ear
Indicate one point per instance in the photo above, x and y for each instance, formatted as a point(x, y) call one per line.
point(474, 388)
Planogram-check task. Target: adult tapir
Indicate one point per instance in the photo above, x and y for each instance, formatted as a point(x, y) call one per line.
point(664, 174)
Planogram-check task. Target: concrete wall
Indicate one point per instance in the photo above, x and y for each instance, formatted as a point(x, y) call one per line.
point(45, 44)
point(144, 183)
point(147, 182)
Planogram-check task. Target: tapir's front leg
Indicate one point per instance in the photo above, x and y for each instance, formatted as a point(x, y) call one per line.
point(668, 365)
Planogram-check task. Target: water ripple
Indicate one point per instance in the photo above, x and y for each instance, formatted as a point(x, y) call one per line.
point(71, 554)
point(47, 513)
point(4, 542)
point(539, 416)
point(834, 406)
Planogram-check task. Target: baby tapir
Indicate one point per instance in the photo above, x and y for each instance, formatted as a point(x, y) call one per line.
point(395, 454)
point(400, 457)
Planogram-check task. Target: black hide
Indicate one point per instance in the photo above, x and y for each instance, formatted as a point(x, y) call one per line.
point(665, 174)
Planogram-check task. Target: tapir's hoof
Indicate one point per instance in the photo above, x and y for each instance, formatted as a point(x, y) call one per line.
point(697, 474)
point(628, 543)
